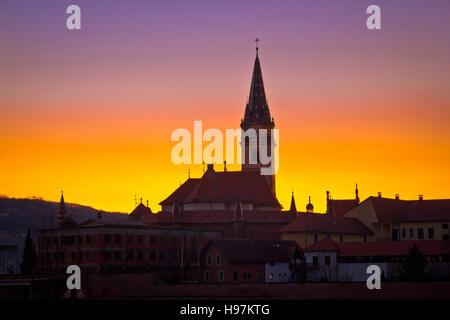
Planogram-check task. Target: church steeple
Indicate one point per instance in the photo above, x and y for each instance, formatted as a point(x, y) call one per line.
point(293, 209)
point(62, 211)
point(257, 117)
point(257, 110)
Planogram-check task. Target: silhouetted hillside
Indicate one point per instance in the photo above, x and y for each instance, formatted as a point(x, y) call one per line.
point(16, 215)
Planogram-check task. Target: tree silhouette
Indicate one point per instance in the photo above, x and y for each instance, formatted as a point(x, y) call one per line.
point(28, 265)
point(413, 268)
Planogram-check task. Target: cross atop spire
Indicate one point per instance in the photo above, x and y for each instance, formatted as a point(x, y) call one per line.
point(257, 47)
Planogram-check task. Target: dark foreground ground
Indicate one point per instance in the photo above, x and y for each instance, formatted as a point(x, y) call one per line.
point(125, 286)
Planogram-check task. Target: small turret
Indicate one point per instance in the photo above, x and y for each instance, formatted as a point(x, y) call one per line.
point(309, 206)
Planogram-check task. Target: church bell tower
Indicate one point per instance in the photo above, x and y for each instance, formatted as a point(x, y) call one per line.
point(257, 116)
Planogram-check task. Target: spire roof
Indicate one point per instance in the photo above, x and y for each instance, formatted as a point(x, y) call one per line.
point(62, 211)
point(257, 110)
point(309, 206)
point(293, 208)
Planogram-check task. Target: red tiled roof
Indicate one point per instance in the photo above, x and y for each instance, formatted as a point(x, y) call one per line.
point(140, 212)
point(223, 187)
point(381, 248)
point(225, 216)
point(325, 223)
point(340, 207)
point(247, 250)
point(392, 210)
point(326, 244)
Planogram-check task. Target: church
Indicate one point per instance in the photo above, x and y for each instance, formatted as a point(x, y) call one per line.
point(238, 204)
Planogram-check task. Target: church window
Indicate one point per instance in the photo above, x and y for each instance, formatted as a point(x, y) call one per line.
point(209, 259)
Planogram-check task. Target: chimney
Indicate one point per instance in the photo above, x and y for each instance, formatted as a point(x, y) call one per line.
point(420, 197)
point(397, 196)
point(379, 194)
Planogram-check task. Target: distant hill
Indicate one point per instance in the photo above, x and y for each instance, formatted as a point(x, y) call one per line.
point(16, 215)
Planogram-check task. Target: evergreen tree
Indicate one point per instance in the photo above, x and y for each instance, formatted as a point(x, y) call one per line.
point(28, 265)
point(413, 268)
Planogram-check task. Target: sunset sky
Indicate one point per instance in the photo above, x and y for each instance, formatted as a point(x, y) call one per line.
point(91, 111)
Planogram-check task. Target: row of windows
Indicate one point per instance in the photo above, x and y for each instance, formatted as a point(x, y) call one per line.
point(381, 259)
point(60, 256)
point(341, 237)
point(420, 233)
point(284, 275)
point(117, 238)
point(152, 255)
point(68, 240)
point(315, 260)
point(209, 259)
point(139, 239)
point(221, 275)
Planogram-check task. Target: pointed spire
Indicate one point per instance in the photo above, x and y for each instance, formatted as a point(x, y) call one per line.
point(293, 208)
point(238, 215)
point(292, 214)
point(357, 194)
point(62, 211)
point(257, 110)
